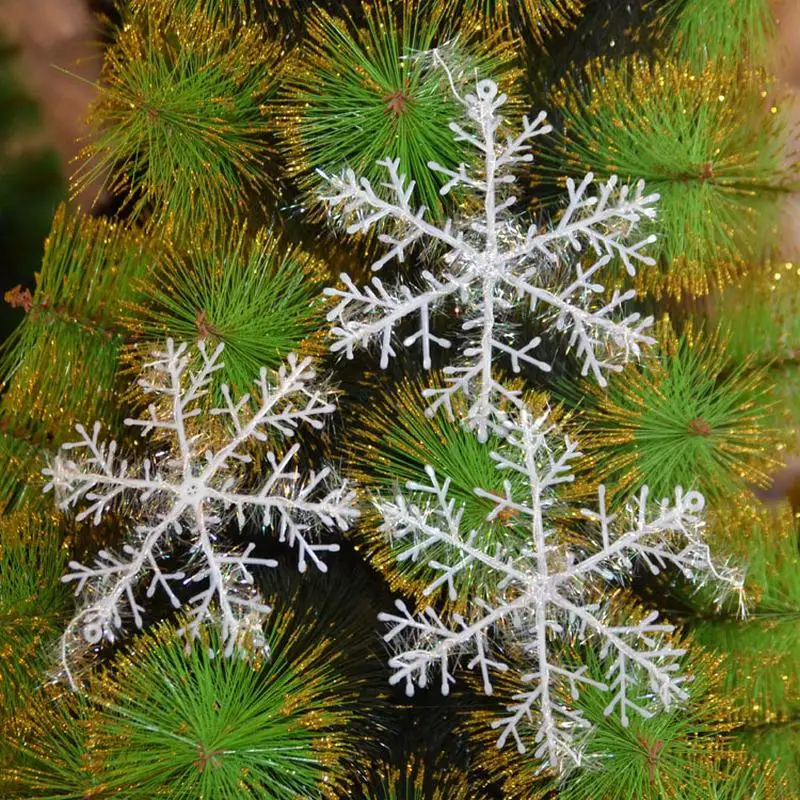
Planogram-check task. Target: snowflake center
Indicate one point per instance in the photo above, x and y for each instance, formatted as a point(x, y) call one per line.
point(194, 488)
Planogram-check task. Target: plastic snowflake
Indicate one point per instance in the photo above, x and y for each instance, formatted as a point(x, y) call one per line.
point(493, 266)
point(544, 593)
point(187, 494)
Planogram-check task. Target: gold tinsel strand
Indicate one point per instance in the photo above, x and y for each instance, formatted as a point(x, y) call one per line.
point(538, 18)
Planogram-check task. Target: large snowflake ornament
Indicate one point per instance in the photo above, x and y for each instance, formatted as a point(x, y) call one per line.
point(494, 266)
point(187, 493)
point(545, 592)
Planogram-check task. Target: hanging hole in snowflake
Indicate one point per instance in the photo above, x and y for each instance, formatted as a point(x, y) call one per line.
point(93, 632)
point(694, 501)
point(487, 90)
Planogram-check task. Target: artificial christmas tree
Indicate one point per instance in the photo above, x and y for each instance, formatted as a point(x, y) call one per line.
point(579, 513)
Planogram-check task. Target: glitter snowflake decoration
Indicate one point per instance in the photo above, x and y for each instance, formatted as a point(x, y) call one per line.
point(188, 493)
point(544, 593)
point(494, 267)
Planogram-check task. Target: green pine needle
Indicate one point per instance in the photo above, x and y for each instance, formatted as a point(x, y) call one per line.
point(702, 140)
point(179, 130)
point(357, 94)
point(757, 781)
point(687, 417)
point(59, 364)
point(229, 8)
point(761, 652)
point(765, 540)
point(180, 724)
point(273, 11)
point(715, 30)
point(255, 295)
point(787, 396)
point(761, 658)
point(20, 468)
point(32, 598)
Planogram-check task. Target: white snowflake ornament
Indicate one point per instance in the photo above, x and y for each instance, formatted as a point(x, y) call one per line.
point(493, 266)
point(187, 494)
point(544, 593)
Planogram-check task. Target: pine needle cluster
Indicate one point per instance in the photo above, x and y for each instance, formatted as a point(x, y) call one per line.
point(689, 416)
point(677, 753)
point(762, 650)
point(700, 138)
point(412, 781)
point(361, 90)
point(179, 131)
point(238, 730)
point(761, 313)
point(173, 721)
point(50, 743)
point(681, 752)
point(255, 293)
point(760, 653)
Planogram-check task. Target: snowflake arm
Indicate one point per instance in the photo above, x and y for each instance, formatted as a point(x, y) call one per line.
point(673, 537)
point(594, 220)
point(591, 332)
point(425, 528)
point(429, 642)
point(111, 582)
point(223, 587)
point(359, 197)
point(383, 309)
